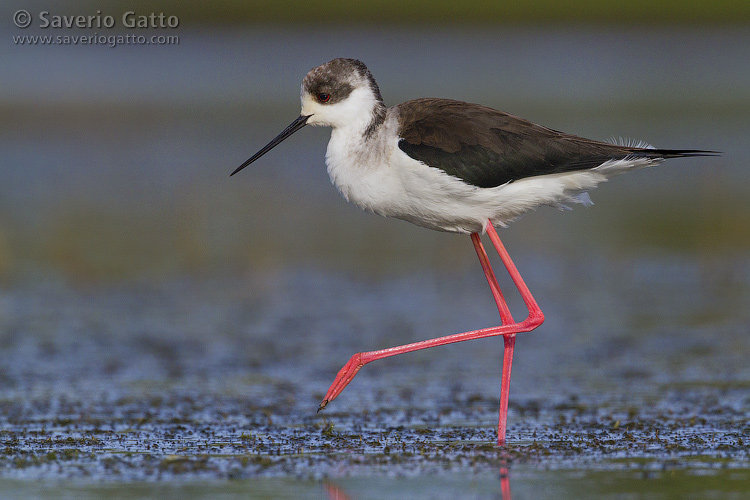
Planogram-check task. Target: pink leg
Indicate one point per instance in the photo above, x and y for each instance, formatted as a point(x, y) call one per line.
point(509, 340)
point(508, 330)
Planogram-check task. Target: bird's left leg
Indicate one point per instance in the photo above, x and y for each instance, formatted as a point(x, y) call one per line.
point(508, 329)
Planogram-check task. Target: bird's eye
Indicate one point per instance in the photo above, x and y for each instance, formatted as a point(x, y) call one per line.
point(323, 97)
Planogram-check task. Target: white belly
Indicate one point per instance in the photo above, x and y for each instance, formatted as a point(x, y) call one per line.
point(386, 181)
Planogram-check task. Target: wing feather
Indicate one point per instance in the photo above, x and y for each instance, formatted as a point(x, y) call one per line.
point(487, 148)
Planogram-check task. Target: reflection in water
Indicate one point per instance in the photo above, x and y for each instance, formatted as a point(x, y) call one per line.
point(504, 481)
point(335, 492)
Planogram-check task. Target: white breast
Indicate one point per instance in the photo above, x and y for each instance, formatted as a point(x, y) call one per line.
point(377, 176)
point(361, 169)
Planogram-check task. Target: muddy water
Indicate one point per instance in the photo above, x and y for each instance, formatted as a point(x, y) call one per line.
point(195, 380)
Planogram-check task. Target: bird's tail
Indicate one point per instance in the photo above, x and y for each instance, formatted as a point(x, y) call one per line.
point(674, 153)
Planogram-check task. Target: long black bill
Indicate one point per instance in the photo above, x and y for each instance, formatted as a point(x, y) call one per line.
point(292, 128)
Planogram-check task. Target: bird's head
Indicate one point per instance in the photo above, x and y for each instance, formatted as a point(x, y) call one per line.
point(339, 93)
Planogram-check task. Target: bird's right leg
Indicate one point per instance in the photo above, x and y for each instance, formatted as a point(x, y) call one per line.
point(508, 330)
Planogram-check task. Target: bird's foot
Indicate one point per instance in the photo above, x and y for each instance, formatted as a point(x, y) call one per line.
point(345, 375)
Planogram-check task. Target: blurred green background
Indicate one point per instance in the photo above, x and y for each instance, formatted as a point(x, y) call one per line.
point(424, 12)
point(115, 160)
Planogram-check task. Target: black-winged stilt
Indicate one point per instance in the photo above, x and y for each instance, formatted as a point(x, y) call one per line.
point(452, 166)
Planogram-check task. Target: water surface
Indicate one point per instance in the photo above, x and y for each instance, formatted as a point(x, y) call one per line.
point(167, 331)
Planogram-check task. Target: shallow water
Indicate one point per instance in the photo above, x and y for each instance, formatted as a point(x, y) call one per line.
point(218, 379)
point(165, 329)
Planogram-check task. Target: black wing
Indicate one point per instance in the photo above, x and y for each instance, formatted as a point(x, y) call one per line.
point(487, 148)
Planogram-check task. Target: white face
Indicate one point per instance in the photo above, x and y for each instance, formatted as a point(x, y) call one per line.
point(353, 110)
point(314, 109)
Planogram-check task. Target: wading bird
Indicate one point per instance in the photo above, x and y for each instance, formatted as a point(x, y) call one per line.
point(452, 166)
